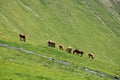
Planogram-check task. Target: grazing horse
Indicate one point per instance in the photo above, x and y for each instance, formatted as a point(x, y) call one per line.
point(91, 55)
point(78, 52)
point(22, 37)
point(69, 49)
point(51, 43)
point(60, 46)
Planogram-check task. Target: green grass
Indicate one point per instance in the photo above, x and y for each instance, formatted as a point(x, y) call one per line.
point(19, 65)
point(82, 24)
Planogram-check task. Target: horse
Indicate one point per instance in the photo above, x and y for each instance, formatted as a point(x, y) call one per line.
point(22, 37)
point(91, 55)
point(78, 52)
point(69, 49)
point(60, 46)
point(51, 43)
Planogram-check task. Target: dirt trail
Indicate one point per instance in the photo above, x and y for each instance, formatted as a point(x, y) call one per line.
point(62, 62)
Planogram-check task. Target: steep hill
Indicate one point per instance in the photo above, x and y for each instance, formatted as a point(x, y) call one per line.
point(89, 25)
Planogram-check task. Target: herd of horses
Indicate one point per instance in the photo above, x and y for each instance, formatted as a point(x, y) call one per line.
point(53, 44)
point(69, 49)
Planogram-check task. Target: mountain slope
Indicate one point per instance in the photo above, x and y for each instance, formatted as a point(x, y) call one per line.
point(87, 25)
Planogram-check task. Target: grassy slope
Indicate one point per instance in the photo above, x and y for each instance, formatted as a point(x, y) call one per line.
point(84, 25)
point(28, 67)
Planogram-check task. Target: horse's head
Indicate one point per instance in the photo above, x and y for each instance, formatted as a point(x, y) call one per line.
point(74, 51)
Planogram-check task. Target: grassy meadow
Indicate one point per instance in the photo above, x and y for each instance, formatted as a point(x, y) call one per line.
point(83, 24)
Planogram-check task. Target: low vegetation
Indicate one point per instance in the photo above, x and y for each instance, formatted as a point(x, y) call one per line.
point(87, 25)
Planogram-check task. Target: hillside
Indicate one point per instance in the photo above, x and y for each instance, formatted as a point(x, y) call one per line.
point(89, 25)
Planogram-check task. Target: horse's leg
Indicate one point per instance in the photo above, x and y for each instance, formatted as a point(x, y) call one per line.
point(20, 39)
point(24, 39)
point(92, 57)
point(80, 54)
point(69, 51)
point(50, 44)
point(89, 56)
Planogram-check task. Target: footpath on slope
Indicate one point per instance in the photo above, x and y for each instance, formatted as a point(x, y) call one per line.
point(61, 61)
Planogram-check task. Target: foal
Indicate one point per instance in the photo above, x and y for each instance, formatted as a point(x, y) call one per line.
point(69, 49)
point(91, 55)
point(60, 46)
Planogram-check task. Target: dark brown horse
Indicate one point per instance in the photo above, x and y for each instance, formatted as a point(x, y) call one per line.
point(69, 49)
point(90, 55)
point(60, 46)
point(22, 37)
point(78, 52)
point(51, 43)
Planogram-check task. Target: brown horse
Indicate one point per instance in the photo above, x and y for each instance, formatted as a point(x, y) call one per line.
point(51, 43)
point(78, 52)
point(22, 37)
point(69, 49)
point(60, 46)
point(91, 55)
